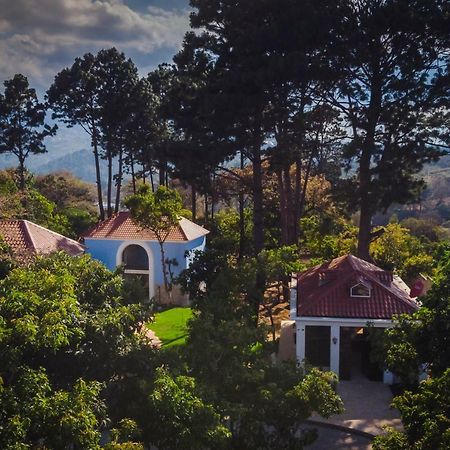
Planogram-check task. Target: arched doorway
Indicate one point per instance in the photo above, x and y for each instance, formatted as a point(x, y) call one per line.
point(137, 269)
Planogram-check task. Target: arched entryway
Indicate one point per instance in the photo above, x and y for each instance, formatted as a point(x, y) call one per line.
point(137, 260)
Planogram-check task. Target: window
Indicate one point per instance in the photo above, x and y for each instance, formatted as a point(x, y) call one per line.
point(134, 257)
point(317, 346)
point(360, 290)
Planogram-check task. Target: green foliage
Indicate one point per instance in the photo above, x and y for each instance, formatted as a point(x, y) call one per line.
point(22, 122)
point(158, 212)
point(60, 204)
point(7, 261)
point(424, 337)
point(65, 320)
point(425, 416)
point(74, 202)
point(280, 262)
point(189, 422)
point(326, 237)
point(426, 230)
point(123, 437)
point(33, 412)
point(226, 228)
point(415, 265)
point(230, 359)
point(394, 247)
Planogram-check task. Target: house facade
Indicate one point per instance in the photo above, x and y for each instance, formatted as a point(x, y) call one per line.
point(335, 307)
point(118, 241)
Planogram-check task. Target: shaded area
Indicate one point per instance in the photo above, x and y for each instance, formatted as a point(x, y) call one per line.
point(330, 438)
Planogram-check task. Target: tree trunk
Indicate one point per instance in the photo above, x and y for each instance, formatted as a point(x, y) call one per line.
point(194, 202)
point(119, 181)
point(152, 181)
point(283, 214)
point(213, 195)
point(365, 226)
point(301, 205)
point(97, 173)
point(297, 197)
point(110, 176)
point(258, 208)
point(241, 216)
point(167, 285)
point(133, 175)
point(367, 208)
point(290, 206)
point(162, 174)
point(257, 296)
point(21, 172)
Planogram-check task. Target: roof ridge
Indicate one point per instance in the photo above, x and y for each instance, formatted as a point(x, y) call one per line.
point(29, 235)
point(396, 295)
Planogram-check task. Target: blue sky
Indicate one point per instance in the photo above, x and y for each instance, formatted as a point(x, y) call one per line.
point(40, 37)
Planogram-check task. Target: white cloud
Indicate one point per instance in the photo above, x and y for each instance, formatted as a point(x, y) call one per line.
point(39, 37)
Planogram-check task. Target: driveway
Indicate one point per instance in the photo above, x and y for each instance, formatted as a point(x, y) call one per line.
point(329, 438)
point(367, 407)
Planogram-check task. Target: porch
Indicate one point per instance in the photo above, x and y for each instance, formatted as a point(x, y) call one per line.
point(340, 345)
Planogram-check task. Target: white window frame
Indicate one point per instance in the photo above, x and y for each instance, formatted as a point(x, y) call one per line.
point(361, 296)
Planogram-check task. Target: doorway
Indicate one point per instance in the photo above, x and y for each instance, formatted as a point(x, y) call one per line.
point(354, 359)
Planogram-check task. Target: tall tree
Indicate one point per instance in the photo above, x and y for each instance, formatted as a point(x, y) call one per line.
point(73, 97)
point(384, 53)
point(117, 77)
point(260, 66)
point(22, 122)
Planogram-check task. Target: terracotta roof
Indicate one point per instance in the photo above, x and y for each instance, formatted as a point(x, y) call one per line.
point(324, 291)
point(25, 238)
point(121, 226)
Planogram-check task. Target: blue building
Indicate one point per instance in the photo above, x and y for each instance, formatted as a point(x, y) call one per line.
point(118, 241)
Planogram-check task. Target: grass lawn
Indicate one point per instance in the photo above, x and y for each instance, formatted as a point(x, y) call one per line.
point(171, 326)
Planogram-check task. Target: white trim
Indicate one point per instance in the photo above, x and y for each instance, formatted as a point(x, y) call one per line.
point(335, 350)
point(348, 322)
point(151, 268)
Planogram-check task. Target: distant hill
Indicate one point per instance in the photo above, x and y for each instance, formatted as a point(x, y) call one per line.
point(80, 163)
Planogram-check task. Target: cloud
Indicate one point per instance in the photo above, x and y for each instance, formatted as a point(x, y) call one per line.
point(40, 37)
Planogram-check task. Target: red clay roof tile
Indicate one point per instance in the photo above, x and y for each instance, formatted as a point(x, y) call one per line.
point(324, 291)
point(121, 226)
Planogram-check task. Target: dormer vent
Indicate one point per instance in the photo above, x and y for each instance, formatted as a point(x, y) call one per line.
point(361, 289)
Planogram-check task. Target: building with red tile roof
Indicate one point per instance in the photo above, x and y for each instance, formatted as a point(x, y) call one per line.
point(119, 241)
point(335, 303)
point(26, 239)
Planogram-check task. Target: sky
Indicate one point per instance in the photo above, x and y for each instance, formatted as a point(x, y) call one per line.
point(38, 38)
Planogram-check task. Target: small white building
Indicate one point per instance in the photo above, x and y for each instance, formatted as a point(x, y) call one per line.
point(334, 305)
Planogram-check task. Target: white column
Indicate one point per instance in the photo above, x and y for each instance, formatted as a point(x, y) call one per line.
point(293, 301)
point(300, 344)
point(335, 333)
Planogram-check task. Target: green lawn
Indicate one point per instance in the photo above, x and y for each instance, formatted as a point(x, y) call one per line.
point(171, 325)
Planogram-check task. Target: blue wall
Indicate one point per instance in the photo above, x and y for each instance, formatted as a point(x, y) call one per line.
point(105, 250)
